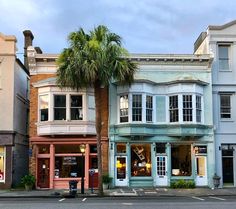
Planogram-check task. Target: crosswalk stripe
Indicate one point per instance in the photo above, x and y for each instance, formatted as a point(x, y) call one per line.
point(61, 200)
point(217, 198)
point(84, 199)
point(198, 198)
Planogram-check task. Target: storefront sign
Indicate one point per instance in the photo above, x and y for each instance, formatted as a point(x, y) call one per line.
point(69, 161)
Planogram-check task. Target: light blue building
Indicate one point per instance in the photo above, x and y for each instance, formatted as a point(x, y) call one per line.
point(220, 41)
point(161, 127)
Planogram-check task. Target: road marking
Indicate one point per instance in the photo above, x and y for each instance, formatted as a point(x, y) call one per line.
point(135, 192)
point(197, 198)
point(84, 199)
point(165, 190)
point(217, 198)
point(150, 192)
point(127, 203)
point(61, 200)
point(157, 189)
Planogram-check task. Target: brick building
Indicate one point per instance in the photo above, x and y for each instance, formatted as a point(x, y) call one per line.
point(61, 120)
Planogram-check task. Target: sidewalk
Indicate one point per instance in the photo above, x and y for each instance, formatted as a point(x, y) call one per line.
point(120, 192)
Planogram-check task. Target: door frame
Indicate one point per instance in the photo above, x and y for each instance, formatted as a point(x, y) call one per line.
point(123, 181)
point(162, 180)
point(38, 172)
point(201, 180)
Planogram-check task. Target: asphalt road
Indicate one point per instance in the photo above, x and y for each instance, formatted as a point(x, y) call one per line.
point(227, 202)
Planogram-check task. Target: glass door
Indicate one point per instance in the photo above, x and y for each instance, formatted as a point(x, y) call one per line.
point(161, 171)
point(201, 178)
point(121, 178)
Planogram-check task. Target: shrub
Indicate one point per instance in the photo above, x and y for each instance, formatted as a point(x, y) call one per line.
point(182, 184)
point(106, 179)
point(28, 179)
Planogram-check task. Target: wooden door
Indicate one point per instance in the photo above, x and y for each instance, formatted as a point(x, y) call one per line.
point(43, 173)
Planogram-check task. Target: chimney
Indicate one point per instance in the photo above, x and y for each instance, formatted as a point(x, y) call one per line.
point(38, 50)
point(28, 42)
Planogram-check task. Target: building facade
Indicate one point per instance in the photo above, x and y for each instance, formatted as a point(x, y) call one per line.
point(221, 42)
point(161, 127)
point(61, 121)
point(14, 108)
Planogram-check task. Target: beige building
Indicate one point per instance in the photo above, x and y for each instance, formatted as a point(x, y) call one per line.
point(14, 104)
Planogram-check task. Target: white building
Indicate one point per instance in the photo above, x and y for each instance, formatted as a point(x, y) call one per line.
point(221, 41)
point(14, 80)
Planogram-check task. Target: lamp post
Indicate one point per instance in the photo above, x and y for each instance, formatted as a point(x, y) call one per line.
point(82, 150)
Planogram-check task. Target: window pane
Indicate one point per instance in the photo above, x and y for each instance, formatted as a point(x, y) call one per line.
point(187, 108)
point(198, 109)
point(69, 166)
point(73, 148)
point(76, 110)
point(43, 107)
point(181, 163)
point(121, 148)
point(173, 108)
point(2, 163)
point(141, 160)
point(137, 108)
point(124, 105)
point(59, 107)
point(224, 57)
point(43, 149)
point(160, 148)
point(149, 108)
point(93, 148)
point(225, 106)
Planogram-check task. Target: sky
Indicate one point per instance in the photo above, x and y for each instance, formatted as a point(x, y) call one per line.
point(146, 26)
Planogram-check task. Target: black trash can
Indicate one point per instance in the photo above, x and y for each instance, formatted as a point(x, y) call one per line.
point(73, 187)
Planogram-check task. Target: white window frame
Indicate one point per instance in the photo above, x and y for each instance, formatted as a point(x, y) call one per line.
point(228, 45)
point(80, 108)
point(188, 109)
point(138, 108)
point(68, 107)
point(174, 109)
point(230, 97)
point(124, 108)
point(198, 109)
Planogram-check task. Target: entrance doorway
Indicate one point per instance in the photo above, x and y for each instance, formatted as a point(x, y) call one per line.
point(161, 171)
point(201, 170)
point(121, 171)
point(228, 167)
point(43, 173)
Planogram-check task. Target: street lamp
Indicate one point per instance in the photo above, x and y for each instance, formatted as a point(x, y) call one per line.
point(82, 150)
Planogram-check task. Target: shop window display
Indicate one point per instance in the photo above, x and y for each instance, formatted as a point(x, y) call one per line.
point(68, 166)
point(141, 160)
point(2, 162)
point(181, 160)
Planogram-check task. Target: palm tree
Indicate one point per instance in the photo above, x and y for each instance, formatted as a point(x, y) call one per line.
point(94, 59)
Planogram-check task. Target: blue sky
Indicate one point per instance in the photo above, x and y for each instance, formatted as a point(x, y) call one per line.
point(146, 26)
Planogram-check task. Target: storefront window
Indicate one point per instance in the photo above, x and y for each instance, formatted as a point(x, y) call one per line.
point(181, 160)
point(43, 149)
point(69, 166)
point(93, 148)
point(2, 163)
point(141, 160)
point(121, 148)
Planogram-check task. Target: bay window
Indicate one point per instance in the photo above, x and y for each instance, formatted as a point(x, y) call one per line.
point(187, 108)
point(198, 109)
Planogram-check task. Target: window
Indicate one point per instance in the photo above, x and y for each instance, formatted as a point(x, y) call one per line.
point(173, 108)
point(187, 108)
point(225, 106)
point(59, 107)
point(76, 111)
point(43, 107)
point(141, 160)
point(121, 148)
point(2, 163)
point(137, 108)
point(160, 148)
point(198, 109)
point(124, 109)
point(224, 57)
point(149, 108)
point(69, 166)
point(181, 164)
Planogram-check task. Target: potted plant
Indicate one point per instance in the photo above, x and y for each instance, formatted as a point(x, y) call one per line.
point(106, 180)
point(28, 181)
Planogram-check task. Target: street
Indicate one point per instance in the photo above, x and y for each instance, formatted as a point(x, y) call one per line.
point(209, 202)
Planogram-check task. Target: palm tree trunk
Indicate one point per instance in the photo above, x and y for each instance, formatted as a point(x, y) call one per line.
point(98, 106)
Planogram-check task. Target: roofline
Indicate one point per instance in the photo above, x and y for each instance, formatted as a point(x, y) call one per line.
point(221, 27)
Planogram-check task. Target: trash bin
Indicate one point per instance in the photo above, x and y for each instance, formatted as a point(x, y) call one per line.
point(73, 187)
